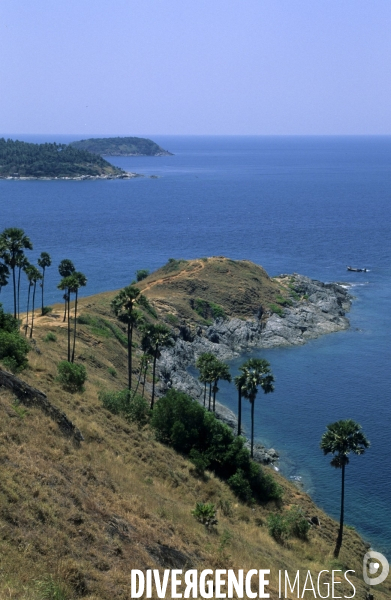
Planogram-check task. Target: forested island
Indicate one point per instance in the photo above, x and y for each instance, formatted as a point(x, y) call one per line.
point(54, 161)
point(121, 146)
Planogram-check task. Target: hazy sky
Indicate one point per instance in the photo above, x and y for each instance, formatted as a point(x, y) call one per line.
point(195, 66)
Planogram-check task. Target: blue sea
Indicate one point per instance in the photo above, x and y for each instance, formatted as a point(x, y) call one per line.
point(311, 205)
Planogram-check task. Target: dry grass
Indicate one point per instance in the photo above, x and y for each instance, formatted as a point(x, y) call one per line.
point(86, 515)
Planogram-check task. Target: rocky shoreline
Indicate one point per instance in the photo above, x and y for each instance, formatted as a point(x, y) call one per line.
point(319, 308)
point(124, 175)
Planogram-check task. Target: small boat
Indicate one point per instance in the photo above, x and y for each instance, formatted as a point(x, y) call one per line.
point(357, 270)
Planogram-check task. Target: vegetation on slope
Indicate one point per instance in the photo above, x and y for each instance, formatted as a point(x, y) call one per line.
point(121, 146)
point(22, 159)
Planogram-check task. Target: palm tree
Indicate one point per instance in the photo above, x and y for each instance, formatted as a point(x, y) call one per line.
point(4, 274)
point(340, 439)
point(22, 263)
point(123, 306)
point(240, 381)
point(219, 370)
point(12, 242)
point(202, 364)
point(29, 270)
point(65, 285)
point(35, 276)
point(65, 268)
point(79, 280)
point(44, 261)
point(257, 373)
point(156, 337)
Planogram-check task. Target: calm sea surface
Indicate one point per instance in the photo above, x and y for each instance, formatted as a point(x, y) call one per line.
point(292, 204)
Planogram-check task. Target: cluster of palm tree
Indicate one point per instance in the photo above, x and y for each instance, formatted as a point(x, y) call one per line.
point(70, 283)
point(254, 373)
point(127, 306)
point(13, 260)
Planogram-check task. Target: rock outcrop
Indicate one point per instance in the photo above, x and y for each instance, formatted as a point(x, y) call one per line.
point(319, 309)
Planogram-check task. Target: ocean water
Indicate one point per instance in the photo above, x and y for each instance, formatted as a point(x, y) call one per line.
point(311, 205)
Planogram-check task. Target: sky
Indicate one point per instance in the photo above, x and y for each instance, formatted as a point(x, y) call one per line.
point(195, 67)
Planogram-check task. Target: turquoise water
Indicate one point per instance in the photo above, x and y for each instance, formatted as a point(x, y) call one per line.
point(309, 205)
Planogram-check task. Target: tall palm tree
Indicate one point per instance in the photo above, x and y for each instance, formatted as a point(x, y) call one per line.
point(79, 280)
point(66, 268)
point(65, 285)
point(123, 306)
point(340, 439)
point(4, 274)
point(202, 364)
point(29, 270)
point(12, 242)
point(155, 338)
point(219, 371)
point(44, 261)
point(257, 373)
point(240, 381)
point(22, 263)
point(35, 276)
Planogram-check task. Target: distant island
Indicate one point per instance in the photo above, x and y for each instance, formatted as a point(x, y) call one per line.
point(121, 146)
point(22, 160)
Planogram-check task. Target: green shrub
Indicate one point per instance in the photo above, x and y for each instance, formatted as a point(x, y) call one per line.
point(291, 523)
point(276, 309)
point(47, 310)
point(172, 319)
point(49, 589)
point(278, 527)
point(138, 411)
point(134, 408)
point(50, 337)
point(112, 371)
point(71, 376)
point(207, 310)
point(13, 350)
point(185, 425)
point(205, 514)
point(142, 274)
point(115, 402)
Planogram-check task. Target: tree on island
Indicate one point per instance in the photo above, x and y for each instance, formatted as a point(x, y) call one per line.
point(340, 439)
point(12, 243)
point(124, 307)
point(44, 261)
point(256, 373)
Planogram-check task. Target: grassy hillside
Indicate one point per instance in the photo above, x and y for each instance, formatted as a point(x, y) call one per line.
point(83, 515)
point(121, 146)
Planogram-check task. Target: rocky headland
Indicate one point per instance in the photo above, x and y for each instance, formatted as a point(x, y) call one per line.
point(315, 309)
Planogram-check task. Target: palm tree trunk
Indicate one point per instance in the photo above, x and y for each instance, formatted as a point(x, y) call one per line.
point(32, 313)
point(240, 411)
point(14, 282)
point(74, 328)
point(145, 377)
point(252, 429)
point(69, 326)
point(340, 532)
point(153, 377)
point(27, 316)
point(204, 394)
point(19, 291)
point(129, 359)
point(43, 283)
point(65, 308)
point(214, 395)
point(210, 394)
